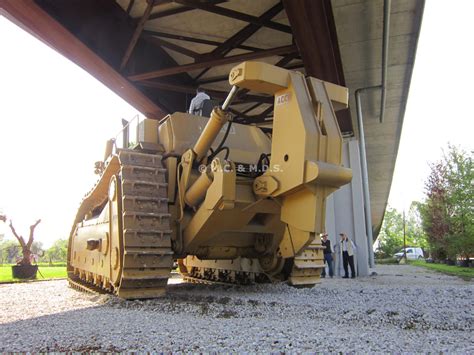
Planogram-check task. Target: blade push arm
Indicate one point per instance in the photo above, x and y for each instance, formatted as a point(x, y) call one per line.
point(306, 157)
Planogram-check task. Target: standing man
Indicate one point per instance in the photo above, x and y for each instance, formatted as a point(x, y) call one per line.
point(326, 243)
point(347, 250)
point(196, 103)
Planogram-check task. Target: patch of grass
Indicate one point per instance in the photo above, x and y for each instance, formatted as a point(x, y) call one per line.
point(386, 261)
point(54, 272)
point(5, 273)
point(54, 264)
point(464, 272)
point(48, 272)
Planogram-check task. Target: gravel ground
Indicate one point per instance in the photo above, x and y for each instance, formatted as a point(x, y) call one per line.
point(402, 309)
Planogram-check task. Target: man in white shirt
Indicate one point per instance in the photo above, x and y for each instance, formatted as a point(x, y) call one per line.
point(347, 248)
point(196, 103)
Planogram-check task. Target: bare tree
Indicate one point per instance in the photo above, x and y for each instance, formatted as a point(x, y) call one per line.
point(25, 246)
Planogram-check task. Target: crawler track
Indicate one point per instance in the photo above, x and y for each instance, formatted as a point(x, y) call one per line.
point(142, 245)
point(197, 280)
point(79, 285)
point(220, 276)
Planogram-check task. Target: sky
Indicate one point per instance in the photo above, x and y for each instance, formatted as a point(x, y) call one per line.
point(441, 93)
point(55, 119)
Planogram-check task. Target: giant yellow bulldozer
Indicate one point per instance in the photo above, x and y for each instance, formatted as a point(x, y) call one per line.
point(225, 201)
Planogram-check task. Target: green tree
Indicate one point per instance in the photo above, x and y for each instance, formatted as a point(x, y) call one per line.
point(391, 233)
point(416, 235)
point(434, 212)
point(9, 251)
point(448, 211)
point(459, 199)
point(57, 252)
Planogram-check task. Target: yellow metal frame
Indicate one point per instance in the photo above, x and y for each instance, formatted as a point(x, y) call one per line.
point(306, 154)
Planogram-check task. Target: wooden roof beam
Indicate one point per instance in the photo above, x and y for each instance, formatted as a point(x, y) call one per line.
point(286, 59)
point(281, 63)
point(245, 33)
point(241, 36)
point(315, 35)
point(258, 118)
point(192, 90)
point(172, 46)
point(196, 40)
point(265, 113)
point(234, 14)
point(130, 6)
point(240, 116)
point(136, 34)
point(295, 66)
point(179, 10)
point(214, 79)
point(253, 107)
point(28, 15)
point(215, 62)
point(316, 38)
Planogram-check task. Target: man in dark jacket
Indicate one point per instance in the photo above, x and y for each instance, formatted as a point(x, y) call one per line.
point(326, 243)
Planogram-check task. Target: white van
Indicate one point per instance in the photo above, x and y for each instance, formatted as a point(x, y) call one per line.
point(413, 253)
